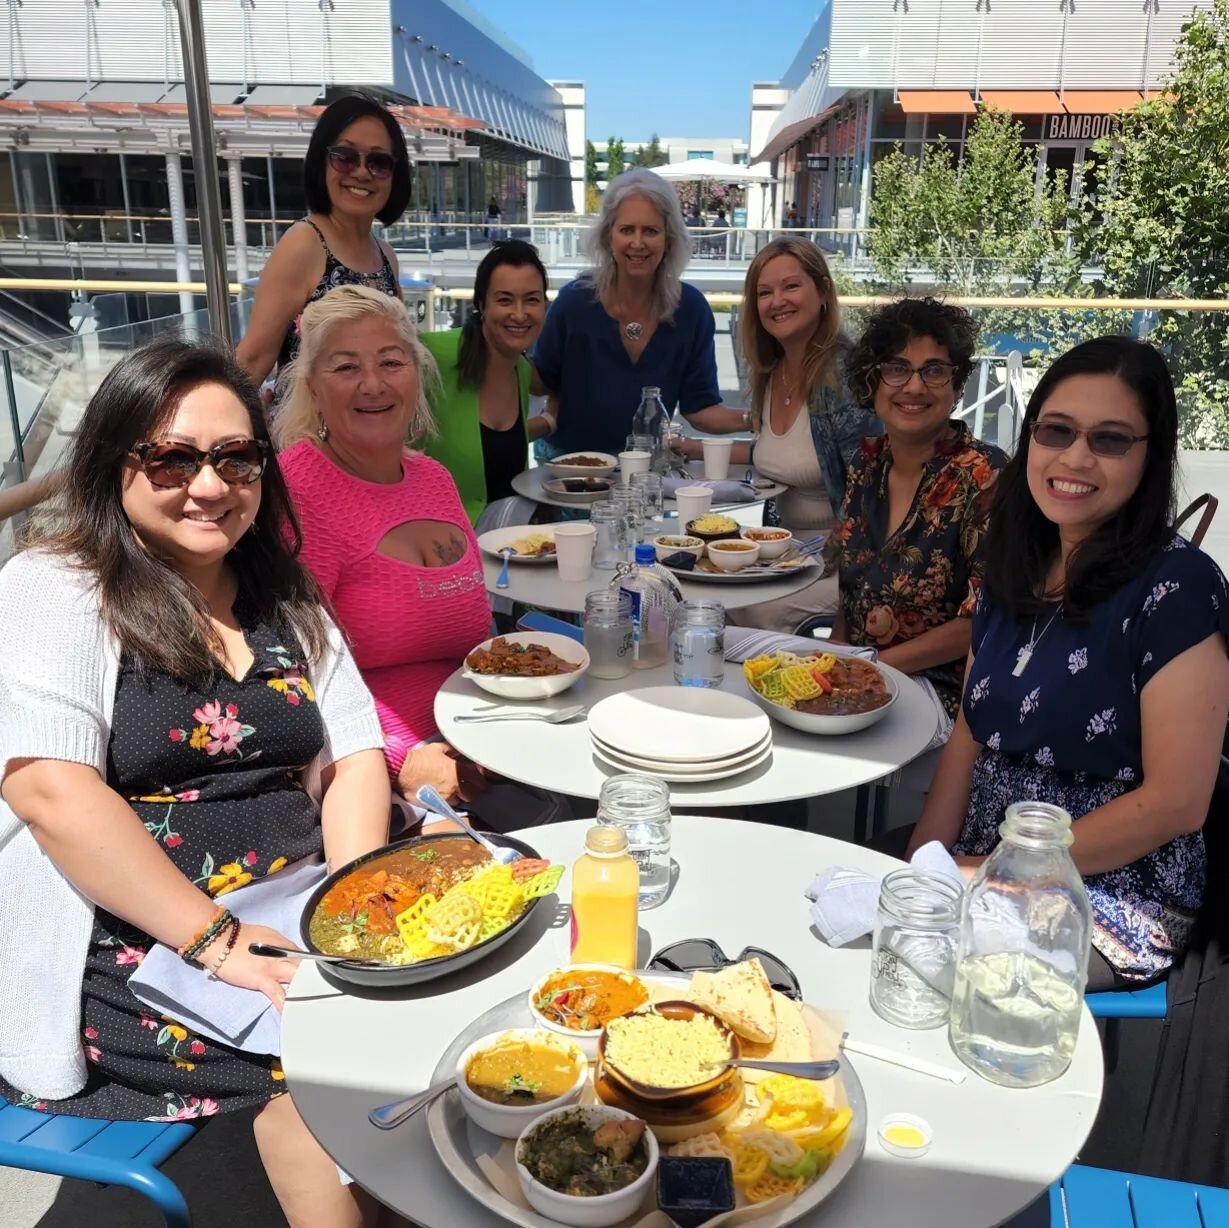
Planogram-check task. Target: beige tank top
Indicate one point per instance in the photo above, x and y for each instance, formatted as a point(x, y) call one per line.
point(790, 459)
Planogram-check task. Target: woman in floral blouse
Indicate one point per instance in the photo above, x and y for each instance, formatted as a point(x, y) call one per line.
point(1097, 677)
point(909, 539)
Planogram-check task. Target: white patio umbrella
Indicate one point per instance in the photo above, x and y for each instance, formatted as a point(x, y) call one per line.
point(695, 169)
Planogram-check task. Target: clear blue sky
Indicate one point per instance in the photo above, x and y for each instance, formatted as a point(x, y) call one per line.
point(666, 66)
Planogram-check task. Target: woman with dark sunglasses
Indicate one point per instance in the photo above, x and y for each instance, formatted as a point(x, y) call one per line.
point(356, 172)
point(181, 720)
point(1097, 676)
point(908, 541)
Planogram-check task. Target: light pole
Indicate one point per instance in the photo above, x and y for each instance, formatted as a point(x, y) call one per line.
point(205, 160)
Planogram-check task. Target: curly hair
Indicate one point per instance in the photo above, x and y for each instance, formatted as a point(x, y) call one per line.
point(891, 328)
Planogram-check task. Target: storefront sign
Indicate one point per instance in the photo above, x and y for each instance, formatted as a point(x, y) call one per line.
point(1077, 127)
point(740, 216)
point(817, 162)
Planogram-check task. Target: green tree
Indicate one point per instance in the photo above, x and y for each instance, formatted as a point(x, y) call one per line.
point(1164, 219)
point(590, 164)
point(615, 161)
point(650, 155)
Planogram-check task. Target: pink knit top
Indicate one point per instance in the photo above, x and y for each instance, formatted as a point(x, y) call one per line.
point(409, 626)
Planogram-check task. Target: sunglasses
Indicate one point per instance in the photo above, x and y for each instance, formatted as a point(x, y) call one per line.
point(1102, 440)
point(704, 955)
point(346, 160)
point(896, 373)
point(168, 466)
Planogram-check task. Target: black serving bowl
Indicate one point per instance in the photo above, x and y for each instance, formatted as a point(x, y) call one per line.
point(691, 1190)
point(426, 969)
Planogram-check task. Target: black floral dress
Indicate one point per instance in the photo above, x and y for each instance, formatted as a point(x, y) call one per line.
point(215, 775)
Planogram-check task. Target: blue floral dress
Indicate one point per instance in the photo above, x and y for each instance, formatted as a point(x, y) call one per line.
point(215, 774)
point(1067, 731)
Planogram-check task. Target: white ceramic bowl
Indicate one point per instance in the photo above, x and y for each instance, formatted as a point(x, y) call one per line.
point(733, 555)
point(695, 546)
point(511, 686)
point(560, 468)
point(508, 1120)
point(600, 1210)
point(771, 547)
point(806, 722)
point(586, 1040)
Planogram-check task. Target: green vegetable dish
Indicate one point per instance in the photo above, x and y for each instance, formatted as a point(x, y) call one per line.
point(568, 1155)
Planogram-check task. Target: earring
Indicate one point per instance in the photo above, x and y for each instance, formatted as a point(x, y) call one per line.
point(823, 311)
point(322, 432)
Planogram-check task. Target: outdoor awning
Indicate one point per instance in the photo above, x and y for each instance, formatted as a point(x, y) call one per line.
point(1024, 102)
point(791, 135)
point(937, 102)
point(1100, 102)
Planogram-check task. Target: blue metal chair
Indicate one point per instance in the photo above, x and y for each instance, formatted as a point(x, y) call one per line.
point(108, 1152)
point(1098, 1198)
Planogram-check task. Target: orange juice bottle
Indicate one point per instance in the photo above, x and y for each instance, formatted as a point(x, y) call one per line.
point(605, 900)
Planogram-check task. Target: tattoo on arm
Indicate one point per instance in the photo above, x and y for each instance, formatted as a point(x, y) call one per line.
point(450, 551)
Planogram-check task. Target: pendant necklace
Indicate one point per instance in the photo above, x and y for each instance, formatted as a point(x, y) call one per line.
point(786, 390)
point(633, 331)
point(1025, 655)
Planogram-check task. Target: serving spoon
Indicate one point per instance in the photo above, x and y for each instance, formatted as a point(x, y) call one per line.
point(432, 800)
point(275, 952)
point(389, 1116)
point(801, 1070)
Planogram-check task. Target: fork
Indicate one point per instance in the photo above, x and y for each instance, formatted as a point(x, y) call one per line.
point(507, 552)
point(432, 800)
point(551, 718)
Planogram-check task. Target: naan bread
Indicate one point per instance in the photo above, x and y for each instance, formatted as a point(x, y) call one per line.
point(793, 1039)
point(741, 997)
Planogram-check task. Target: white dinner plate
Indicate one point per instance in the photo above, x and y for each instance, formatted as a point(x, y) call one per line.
point(493, 541)
point(678, 724)
point(749, 575)
point(637, 764)
point(672, 773)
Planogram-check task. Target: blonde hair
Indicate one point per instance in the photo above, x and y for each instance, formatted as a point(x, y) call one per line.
point(762, 350)
point(298, 416)
point(668, 281)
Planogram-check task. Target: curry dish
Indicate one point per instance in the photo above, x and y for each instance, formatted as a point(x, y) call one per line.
point(585, 1000)
point(518, 1072)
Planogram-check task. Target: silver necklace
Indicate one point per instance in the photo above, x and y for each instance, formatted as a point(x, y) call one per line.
point(633, 331)
point(786, 391)
point(1025, 655)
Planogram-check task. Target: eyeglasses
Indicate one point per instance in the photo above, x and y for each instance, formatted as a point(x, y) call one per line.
point(1102, 440)
point(172, 465)
point(896, 374)
point(345, 160)
point(704, 955)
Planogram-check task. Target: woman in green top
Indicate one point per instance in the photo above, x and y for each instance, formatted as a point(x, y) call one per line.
point(482, 403)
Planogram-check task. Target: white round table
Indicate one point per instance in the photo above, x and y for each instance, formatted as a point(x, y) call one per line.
point(994, 1151)
point(528, 484)
point(539, 584)
point(560, 757)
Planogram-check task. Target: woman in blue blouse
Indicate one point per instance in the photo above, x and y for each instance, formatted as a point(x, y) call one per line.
point(628, 323)
point(1097, 677)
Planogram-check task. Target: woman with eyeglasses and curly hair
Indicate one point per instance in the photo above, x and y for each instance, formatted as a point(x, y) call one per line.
point(909, 541)
point(1097, 675)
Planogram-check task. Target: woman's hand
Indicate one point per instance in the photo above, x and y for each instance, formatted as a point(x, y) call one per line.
point(968, 865)
point(247, 971)
point(448, 772)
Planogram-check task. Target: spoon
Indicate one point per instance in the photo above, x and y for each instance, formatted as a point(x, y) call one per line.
point(800, 1070)
point(432, 800)
point(388, 1116)
point(502, 582)
point(274, 952)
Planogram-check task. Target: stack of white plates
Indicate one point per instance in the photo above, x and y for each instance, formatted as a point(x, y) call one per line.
point(680, 734)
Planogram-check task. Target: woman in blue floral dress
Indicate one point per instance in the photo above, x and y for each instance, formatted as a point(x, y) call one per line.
point(1097, 678)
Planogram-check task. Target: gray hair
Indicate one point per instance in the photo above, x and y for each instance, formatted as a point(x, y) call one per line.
point(299, 416)
point(668, 282)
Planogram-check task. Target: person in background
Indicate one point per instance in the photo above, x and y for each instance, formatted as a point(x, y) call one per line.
point(911, 537)
point(720, 221)
point(1097, 675)
point(481, 405)
point(190, 721)
point(791, 214)
point(356, 172)
point(629, 322)
point(493, 214)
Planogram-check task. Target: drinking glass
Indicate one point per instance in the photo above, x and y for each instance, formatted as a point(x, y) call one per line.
point(649, 487)
point(610, 541)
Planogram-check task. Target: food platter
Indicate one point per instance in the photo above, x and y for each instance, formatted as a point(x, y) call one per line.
point(425, 969)
point(472, 1156)
point(863, 694)
point(748, 575)
point(563, 466)
point(563, 489)
point(495, 540)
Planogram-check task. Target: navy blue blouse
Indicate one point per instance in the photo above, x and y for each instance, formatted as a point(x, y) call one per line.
point(1068, 731)
point(581, 358)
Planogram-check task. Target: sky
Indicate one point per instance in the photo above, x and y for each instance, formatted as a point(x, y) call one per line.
point(665, 66)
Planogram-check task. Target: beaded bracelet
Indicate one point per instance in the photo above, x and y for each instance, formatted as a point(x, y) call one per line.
point(221, 919)
point(230, 946)
point(183, 951)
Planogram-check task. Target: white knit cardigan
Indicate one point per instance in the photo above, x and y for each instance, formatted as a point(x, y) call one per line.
point(58, 673)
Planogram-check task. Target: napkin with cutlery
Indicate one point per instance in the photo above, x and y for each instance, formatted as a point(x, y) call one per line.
point(845, 900)
point(743, 643)
point(727, 491)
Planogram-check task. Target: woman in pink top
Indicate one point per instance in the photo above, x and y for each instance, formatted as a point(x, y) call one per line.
point(384, 530)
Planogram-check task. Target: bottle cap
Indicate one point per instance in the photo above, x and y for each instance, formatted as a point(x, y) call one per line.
point(650, 392)
point(645, 554)
point(606, 839)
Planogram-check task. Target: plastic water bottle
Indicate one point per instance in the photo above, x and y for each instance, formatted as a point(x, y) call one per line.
point(652, 422)
point(697, 643)
point(654, 596)
point(640, 806)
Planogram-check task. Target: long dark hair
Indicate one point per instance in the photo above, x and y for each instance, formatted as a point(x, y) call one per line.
point(1022, 543)
point(337, 117)
point(471, 356)
point(159, 619)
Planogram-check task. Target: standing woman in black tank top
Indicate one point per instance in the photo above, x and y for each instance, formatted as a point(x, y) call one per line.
point(356, 170)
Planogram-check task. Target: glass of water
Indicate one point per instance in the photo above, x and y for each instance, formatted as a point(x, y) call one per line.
point(649, 487)
point(630, 503)
point(640, 805)
point(610, 542)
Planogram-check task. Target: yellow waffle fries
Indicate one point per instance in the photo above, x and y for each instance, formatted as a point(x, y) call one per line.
point(789, 1093)
point(701, 1145)
point(770, 1186)
point(799, 684)
point(409, 920)
point(824, 662)
point(772, 687)
point(757, 667)
point(454, 922)
point(777, 1147)
point(542, 884)
point(750, 1164)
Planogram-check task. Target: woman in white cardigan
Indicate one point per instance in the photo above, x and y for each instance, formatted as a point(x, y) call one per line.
point(169, 686)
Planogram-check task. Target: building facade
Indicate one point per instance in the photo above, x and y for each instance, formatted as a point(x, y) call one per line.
point(872, 74)
point(729, 149)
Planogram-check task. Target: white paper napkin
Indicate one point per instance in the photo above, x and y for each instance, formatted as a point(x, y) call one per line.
point(743, 643)
point(727, 491)
point(845, 900)
point(242, 1018)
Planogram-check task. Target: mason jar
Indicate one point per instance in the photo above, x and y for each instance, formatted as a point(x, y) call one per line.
point(697, 642)
point(640, 805)
point(609, 633)
point(610, 538)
